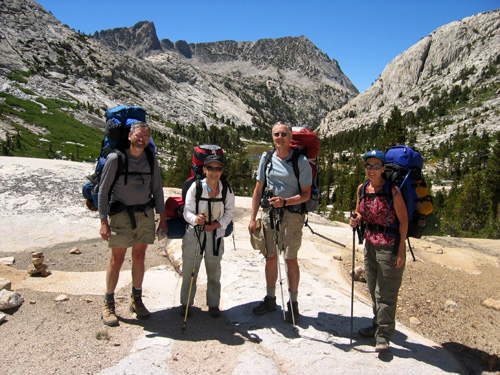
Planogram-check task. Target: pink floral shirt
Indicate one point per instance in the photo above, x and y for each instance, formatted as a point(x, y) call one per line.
point(373, 208)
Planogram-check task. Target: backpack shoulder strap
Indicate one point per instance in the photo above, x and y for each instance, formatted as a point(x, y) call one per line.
point(225, 188)
point(199, 190)
point(267, 159)
point(362, 190)
point(388, 191)
point(295, 163)
point(122, 166)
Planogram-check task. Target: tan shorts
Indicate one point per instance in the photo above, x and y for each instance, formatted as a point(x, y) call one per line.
point(291, 228)
point(122, 234)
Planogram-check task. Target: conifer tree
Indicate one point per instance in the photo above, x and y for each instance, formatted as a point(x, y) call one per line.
point(395, 131)
point(493, 178)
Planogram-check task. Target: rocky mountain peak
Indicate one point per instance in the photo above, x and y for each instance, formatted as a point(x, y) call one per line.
point(140, 39)
point(464, 53)
point(245, 83)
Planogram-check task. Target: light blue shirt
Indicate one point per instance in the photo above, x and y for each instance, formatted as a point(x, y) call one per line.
point(281, 177)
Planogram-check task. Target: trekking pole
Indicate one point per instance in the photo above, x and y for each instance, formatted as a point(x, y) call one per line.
point(352, 278)
point(411, 250)
point(197, 231)
point(286, 269)
point(274, 227)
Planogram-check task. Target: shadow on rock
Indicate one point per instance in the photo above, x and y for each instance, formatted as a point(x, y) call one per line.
point(243, 317)
point(200, 326)
point(474, 360)
point(339, 326)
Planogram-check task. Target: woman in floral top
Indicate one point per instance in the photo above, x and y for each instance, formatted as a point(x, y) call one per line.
point(384, 248)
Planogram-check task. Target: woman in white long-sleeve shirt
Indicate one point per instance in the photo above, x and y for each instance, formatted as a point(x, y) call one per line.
point(208, 219)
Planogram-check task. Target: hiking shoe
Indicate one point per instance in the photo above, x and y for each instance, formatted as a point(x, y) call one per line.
point(214, 312)
point(368, 331)
point(108, 314)
point(268, 305)
point(138, 307)
point(295, 309)
point(382, 345)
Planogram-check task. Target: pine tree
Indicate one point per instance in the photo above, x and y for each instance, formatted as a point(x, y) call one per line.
point(492, 173)
point(468, 210)
point(395, 131)
point(178, 171)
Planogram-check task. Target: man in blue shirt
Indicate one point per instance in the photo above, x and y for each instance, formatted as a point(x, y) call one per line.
point(278, 177)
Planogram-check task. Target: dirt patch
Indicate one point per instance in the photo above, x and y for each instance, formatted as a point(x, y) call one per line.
point(84, 344)
point(67, 337)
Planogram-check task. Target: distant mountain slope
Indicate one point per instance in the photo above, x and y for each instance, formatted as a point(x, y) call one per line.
point(241, 83)
point(287, 78)
point(464, 53)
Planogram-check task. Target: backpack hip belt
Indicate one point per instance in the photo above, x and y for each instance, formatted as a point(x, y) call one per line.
point(116, 207)
point(381, 229)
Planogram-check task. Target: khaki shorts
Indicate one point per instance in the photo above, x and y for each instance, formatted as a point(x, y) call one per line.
point(291, 228)
point(122, 234)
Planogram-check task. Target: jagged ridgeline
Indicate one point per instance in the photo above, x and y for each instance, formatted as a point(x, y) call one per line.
point(56, 84)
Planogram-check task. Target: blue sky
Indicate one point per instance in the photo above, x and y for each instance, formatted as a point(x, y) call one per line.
point(362, 35)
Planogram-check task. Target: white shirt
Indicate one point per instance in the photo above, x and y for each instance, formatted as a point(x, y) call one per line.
point(226, 210)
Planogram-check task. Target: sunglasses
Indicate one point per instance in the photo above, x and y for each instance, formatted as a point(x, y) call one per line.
point(283, 134)
point(143, 137)
point(373, 166)
point(211, 169)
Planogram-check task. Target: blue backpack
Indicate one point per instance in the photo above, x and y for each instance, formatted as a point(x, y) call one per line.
point(118, 122)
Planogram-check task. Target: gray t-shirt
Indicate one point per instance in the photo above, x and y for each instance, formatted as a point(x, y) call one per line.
point(281, 177)
point(139, 188)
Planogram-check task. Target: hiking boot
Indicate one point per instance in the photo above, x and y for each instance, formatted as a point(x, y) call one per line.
point(214, 312)
point(368, 331)
point(268, 305)
point(382, 345)
point(108, 314)
point(295, 309)
point(138, 307)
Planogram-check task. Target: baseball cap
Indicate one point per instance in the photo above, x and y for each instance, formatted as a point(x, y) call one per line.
point(214, 159)
point(257, 239)
point(375, 154)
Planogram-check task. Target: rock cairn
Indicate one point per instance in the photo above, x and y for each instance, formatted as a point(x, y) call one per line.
point(37, 267)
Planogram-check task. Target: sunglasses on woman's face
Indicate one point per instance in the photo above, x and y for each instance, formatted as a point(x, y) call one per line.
point(283, 134)
point(373, 166)
point(211, 169)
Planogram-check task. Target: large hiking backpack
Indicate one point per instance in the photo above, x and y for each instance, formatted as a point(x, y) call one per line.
point(174, 206)
point(200, 153)
point(304, 142)
point(403, 168)
point(118, 123)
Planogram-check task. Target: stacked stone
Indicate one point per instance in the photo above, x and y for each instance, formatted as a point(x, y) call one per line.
point(37, 267)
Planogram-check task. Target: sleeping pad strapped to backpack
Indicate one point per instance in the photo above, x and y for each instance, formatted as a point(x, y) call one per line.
point(118, 123)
